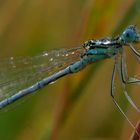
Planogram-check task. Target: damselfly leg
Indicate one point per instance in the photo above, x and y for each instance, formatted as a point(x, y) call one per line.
point(136, 53)
point(115, 68)
point(128, 80)
point(125, 77)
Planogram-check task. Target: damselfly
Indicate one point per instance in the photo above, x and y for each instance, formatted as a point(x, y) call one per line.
point(21, 76)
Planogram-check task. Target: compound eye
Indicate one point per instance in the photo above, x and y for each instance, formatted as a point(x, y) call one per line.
point(129, 35)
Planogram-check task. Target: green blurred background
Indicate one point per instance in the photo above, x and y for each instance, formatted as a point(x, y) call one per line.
point(79, 106)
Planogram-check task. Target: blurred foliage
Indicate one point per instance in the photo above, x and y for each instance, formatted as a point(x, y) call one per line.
point(79, 106)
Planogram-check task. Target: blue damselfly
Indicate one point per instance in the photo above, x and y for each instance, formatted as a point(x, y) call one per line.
point(21, 76)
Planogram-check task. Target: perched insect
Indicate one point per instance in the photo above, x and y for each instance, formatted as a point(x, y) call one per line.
point(21, 76)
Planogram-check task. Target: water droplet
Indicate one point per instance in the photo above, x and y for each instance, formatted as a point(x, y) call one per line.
point(45, 54)
point(51, 59)
point(11, 58)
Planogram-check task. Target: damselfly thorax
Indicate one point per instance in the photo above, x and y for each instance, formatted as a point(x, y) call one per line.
point(109, 46)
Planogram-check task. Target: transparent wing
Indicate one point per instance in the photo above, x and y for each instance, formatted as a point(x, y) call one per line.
point(17, 73)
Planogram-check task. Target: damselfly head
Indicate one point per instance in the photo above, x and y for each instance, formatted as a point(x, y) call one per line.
point(130, 35)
